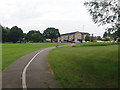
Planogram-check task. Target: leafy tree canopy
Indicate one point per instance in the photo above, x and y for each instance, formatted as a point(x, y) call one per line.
point(15, 34)
point(87, 38)
point(34, 35)
point(105, 12)
point(110, 35)
point(29, 35)
point(51, 33)
point(5, 32)
point(98, 38)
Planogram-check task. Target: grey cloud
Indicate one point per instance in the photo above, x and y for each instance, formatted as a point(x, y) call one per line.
point(67, 15)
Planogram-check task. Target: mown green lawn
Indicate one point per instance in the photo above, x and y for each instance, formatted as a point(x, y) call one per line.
point(86, 67)
point(12, 52)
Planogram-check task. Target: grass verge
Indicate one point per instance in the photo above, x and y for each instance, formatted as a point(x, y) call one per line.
point(95, 44)
point(86, 67)
point(12, 52)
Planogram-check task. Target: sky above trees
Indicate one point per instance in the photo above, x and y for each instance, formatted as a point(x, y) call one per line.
point(66, 15)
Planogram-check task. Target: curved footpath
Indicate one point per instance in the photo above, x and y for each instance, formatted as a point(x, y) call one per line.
point(30, 71)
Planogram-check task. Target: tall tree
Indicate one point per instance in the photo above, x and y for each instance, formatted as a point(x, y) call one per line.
point(105, 34)
point(112, 36)
point(29, 35)
point(105, 12)
point(5, 33)
point(34, 35)
point(98, 38)
point(51, 33)
point(0, 33)
point(15, 34)
point(87, 38)
point(92, 38)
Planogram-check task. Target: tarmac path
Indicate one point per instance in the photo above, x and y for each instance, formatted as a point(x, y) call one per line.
point(30, 71)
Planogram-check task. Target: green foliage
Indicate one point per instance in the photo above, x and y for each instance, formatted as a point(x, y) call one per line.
point(15, 34)
point(95, 44)
point(104, 12)
point(5, 33)
point(11, 35)
point(98, 38)
point(116, 35)
point(107, 39)
point(29, 35)
point(92, 38)
point(105, 34)
point(24, 37)
point(51, 33)
point(87, 38)
point(86, 67)
point(34, 35)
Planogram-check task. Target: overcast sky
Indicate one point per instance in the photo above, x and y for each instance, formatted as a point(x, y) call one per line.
point(66, 15)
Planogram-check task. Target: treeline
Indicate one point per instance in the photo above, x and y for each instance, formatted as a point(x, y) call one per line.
point(92, 38)
point(107, 36)
point(111, 36)
point(15, 34)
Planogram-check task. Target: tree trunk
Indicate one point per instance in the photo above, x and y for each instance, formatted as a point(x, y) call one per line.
point(51, 40)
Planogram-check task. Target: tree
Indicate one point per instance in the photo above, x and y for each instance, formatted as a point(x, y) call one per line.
point(24, 36)
point(15, 34)
point(29, 35)
point(34, 35)
point(51, 33)
point(92, 38)
point(5, 33)
point(105, 34)
point(115, 36)
point(112, 36)
point(107, 39)
point(87, 38)
point(98, 38)
point(0, 34)
point(105, 12)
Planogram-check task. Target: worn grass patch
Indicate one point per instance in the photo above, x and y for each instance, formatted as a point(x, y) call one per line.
point(11, 52)
point(86, 67)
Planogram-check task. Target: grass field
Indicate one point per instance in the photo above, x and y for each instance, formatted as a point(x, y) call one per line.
point(95, 44)
point(86, 67)
point(11, 52)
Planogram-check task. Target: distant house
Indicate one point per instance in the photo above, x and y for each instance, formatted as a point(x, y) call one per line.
point(73, 36)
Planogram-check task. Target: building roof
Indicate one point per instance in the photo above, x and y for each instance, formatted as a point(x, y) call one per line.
point(74, 33)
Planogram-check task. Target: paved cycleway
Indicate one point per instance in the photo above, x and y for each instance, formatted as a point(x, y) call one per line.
point(30, 71)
